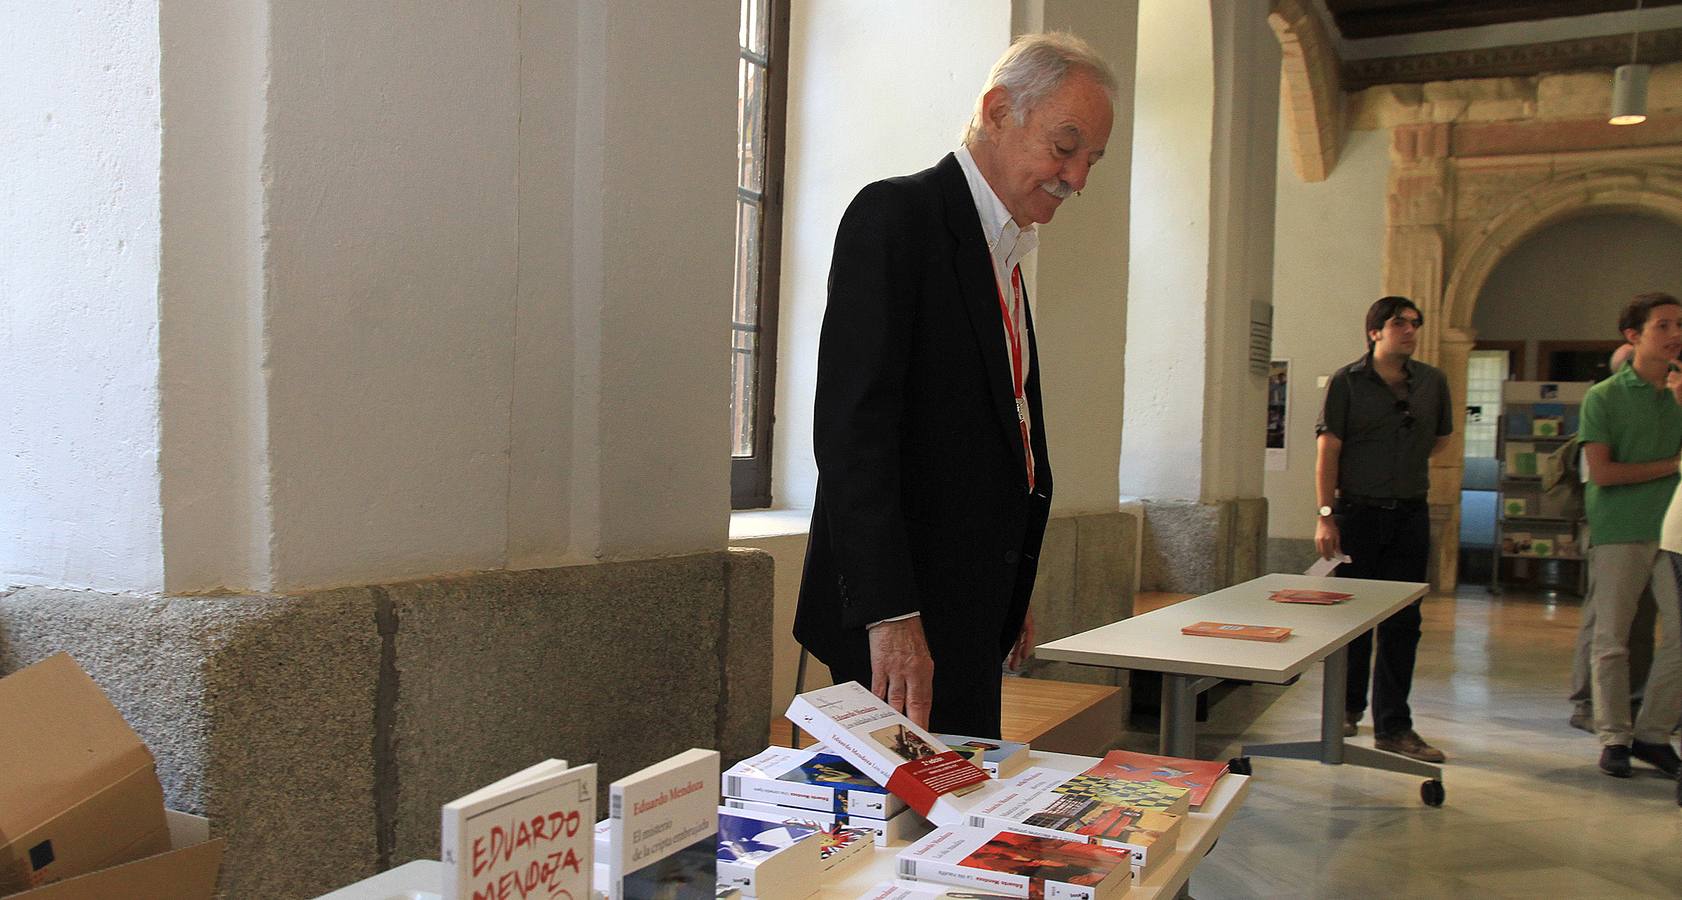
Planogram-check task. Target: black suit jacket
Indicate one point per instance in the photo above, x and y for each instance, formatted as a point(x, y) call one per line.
point(922, 501)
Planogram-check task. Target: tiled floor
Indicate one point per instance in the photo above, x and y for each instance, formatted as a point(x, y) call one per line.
point(1527, 815)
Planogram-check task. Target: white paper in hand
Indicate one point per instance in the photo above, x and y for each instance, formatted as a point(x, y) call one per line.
point(1324, 567)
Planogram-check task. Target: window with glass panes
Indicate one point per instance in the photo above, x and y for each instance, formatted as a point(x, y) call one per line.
point(761, 82)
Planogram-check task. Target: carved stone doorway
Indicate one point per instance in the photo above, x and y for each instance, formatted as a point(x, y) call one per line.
point(1462, 195)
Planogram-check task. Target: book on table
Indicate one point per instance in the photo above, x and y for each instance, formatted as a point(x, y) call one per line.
point(887, 747)
point(838, 846)
point(1272, 633)
point(527, 834)
point(893, 890)
point(1031, 803)
point(663, 830)
point(1319, 598)
point(813, 778)
point(999, 758)
point(1197, 776)
point(1017, 865)
point(769, 859)
point(902, 827)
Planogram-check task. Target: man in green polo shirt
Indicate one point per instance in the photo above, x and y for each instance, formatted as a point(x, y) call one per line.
point(1631, 430)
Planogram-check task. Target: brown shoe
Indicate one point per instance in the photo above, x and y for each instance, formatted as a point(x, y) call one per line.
point(1408, 743)
point(1351, 723)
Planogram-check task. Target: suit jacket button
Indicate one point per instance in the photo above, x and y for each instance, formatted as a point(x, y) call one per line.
point(1010, 557)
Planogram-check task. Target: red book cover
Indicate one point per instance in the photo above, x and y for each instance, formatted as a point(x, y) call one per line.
point(1195, 775)
point(1273, 633)
point(1323, 598)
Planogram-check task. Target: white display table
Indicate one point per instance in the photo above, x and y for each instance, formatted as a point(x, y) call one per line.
point(419, 880)
point(1197, 835)
point(1190, 665)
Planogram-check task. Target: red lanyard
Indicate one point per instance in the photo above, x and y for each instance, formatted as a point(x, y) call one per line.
point(1014, 339)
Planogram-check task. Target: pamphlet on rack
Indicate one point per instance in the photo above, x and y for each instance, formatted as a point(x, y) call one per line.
point(885, 745)
point(527, 835)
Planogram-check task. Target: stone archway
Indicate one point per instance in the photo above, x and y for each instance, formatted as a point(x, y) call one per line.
point(1461, 196)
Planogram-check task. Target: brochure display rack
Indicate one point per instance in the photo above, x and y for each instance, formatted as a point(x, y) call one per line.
point(1539, 524)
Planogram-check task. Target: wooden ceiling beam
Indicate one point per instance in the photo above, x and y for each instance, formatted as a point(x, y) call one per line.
point(1382, 18)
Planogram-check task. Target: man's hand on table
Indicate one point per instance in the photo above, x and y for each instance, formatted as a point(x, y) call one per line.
point(1023, 649)
point(902, 672)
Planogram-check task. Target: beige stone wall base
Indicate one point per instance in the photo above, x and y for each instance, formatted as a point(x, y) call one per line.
point(1193, 547)
point(331, 726)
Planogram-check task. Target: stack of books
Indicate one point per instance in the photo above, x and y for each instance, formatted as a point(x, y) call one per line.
point(816, 786)
point(1272, 633)
point(998, 758)
point(1141, 818)
point(1012, 864)
point(775, 856)
point(1317, 598)
point(1197, 776)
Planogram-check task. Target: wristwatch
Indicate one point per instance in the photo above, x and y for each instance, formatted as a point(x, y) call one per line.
point(1325, 511)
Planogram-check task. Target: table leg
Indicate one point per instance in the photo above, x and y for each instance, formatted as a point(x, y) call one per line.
point(1179, 716)
point(1335, 675)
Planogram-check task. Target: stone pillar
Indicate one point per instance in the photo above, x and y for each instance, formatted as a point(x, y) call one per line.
point(1420, 210)
point(1454, 349)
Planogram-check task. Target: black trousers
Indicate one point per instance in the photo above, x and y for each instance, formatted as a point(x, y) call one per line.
point(1385, 545)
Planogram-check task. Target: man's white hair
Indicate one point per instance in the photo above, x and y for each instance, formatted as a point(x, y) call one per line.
point(1033, 68)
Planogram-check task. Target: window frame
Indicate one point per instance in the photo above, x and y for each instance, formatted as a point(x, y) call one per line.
point(750, 476)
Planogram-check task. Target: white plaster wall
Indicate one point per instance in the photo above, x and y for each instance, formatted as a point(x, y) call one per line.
point(1328, 257)
point(1247, 61)
point(876, 88)
point(391, 287)
point(665, 250)
point(213, 392)
point(1162, 445)
point(1568, 282)
point(554, 62)
point(1080, 305)
point(79, 223)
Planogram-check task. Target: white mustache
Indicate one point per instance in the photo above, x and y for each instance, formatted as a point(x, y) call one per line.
point(1059, 189)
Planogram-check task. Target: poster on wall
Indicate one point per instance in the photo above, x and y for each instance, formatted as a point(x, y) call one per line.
point(1278, 397)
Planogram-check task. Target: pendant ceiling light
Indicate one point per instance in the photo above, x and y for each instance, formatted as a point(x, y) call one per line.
point(1629, 84)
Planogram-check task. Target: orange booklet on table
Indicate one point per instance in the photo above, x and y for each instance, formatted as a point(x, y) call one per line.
point(1241, 632)
point(1319, 598)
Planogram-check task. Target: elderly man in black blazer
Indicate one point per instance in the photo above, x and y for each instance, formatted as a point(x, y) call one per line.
point(933, 481)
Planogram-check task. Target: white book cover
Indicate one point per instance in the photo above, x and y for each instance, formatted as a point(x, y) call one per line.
point(1031, 804)
point(663, 832)
point(838, 845)
point(909, 761)
point(1017, 865)
point(526, 835)
point(768, 858)
point(813, 778)
point(999, 758)
point(902, 828)
point(893, 890)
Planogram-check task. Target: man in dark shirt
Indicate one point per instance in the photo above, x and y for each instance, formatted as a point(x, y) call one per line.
point(1385, 416)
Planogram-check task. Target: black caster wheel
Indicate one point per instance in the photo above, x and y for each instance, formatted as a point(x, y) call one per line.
point(1432, 793)
point(1238, 765)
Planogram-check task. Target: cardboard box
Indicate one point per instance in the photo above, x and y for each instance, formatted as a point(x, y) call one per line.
point(79, 791)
